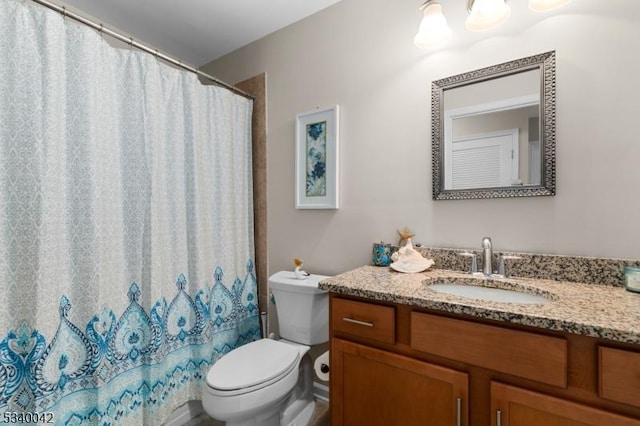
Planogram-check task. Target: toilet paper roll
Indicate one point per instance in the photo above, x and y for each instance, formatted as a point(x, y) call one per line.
point(321, 367)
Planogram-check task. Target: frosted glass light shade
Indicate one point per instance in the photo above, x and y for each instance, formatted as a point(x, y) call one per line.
point(433, 28)
point(544, 5)
point(487, 14)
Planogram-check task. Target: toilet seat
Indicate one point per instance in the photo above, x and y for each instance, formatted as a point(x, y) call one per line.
point(251, 367)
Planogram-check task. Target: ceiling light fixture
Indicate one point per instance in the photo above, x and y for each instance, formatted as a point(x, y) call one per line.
point(485, 15)
point(544, 5)
point(433, 28)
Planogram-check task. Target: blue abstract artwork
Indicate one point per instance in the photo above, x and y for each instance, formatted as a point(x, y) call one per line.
point(316, 163)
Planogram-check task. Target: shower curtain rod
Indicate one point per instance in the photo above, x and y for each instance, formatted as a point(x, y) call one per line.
point(131, 42)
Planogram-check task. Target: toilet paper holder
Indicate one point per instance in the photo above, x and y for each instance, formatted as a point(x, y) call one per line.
point(321, 366)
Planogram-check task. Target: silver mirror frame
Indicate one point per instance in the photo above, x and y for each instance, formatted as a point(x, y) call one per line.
point(546, 62)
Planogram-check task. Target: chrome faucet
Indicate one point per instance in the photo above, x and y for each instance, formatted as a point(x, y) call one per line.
point(487, 255)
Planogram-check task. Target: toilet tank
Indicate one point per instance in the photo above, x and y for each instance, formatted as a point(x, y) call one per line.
point(303, 309)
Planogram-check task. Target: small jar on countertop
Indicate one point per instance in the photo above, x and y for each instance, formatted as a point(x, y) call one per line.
point(381, 254)
point(632, 278)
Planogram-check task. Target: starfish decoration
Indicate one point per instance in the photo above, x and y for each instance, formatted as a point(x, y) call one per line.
point(404, 234)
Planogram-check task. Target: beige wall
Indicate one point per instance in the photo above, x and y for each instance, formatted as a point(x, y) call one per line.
point(359, 54)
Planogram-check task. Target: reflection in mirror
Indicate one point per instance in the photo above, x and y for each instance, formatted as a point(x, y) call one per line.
point(491, 133)
point(494, 131)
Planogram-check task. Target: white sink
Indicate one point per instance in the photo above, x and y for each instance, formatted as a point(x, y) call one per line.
point(488, 293)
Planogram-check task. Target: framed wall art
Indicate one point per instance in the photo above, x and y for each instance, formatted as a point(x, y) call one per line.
point(317, 159)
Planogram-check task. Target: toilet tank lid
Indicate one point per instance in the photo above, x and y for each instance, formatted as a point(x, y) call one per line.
point(286, 280)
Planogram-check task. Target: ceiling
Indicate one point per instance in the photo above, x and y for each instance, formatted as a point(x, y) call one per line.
point(198, 31)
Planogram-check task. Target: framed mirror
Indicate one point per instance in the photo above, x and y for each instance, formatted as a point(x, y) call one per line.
point(494, 131)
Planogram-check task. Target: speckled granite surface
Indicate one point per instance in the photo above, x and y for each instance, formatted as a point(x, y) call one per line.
point(580, 269)
point(601, 311)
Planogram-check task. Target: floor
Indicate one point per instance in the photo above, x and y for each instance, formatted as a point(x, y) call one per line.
point(320, 417)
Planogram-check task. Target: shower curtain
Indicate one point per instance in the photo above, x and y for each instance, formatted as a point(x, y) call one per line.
point(126, 227)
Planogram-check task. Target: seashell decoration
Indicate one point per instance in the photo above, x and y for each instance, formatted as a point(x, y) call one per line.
point(408, 260)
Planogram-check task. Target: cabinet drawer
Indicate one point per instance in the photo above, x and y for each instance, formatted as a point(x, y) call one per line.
point(375, 322)
point(619, 375)
point(528, 355)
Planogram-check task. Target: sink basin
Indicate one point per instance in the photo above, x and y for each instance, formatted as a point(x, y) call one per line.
point(488, 293)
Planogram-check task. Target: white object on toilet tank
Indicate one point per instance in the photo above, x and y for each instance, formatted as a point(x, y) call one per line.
point(303, 309)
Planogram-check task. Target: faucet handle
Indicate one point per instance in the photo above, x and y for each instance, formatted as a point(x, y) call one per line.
point(502, 270)
point(474, 261)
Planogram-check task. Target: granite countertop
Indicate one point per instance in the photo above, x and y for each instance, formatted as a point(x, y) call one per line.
point(600, 311)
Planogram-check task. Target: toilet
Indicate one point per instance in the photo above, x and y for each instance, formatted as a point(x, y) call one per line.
point(270, 382)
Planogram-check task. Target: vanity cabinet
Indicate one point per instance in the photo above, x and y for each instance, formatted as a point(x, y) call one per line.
point(394, 364)
point(370, 386)
point(619, 375)
point(376, 387)
point(513, 406)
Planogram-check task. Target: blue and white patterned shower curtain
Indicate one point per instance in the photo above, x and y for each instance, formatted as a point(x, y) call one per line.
point(126, 226)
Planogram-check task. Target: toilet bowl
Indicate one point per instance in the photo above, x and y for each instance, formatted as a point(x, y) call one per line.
point(270, 382)
point(249, 385)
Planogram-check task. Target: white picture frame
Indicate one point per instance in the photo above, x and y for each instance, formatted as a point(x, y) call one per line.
point(317, 156)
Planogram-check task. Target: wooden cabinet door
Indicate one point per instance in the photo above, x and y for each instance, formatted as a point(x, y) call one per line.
point(372, 387)
point(512, 406)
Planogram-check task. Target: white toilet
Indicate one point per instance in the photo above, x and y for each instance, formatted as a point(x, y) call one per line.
point(270, 382)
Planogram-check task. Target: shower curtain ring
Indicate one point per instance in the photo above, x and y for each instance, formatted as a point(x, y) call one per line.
point(101, 28)
point(131, 41)
point(64, 12)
